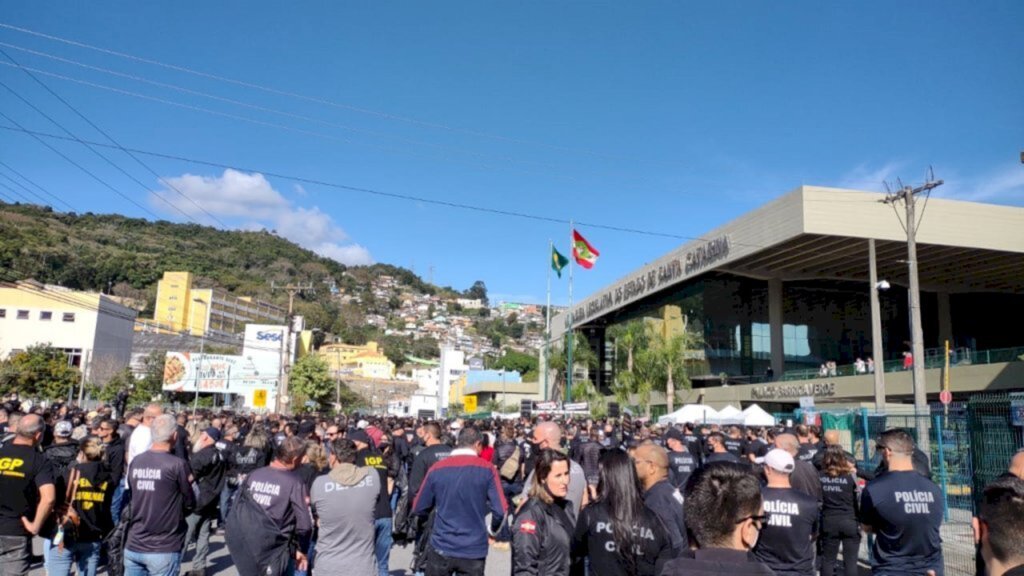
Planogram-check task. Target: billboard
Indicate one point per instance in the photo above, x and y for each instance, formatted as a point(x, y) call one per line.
point(264, 340)
point(184, 372)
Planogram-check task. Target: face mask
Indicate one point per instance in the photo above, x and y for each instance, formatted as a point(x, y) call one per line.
point(757, 536)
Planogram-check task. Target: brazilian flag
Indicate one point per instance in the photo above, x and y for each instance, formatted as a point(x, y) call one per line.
point(558, 261)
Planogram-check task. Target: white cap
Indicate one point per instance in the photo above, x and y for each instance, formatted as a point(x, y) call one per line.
point(778, 460)
point(362, 424)
point(456, 425)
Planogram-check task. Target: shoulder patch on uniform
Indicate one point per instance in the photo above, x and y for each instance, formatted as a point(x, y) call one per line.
point(528, 527)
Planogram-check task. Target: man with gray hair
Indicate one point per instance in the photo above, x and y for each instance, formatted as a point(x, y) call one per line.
point(161, 500)
point(27, 494)
point(549, 435)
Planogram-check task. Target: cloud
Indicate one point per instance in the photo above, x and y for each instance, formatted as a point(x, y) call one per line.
point(1004, 184)
point(250, 202)
point(864, 177)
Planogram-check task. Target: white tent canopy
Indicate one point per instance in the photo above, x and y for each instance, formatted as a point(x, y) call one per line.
point(696, 413)
point(754, 415)
point(729, 415)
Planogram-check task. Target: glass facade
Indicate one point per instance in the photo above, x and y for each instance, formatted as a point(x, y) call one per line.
point(823, 320)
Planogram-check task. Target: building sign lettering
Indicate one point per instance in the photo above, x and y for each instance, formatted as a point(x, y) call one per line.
point(707, 254)
point(818, 390)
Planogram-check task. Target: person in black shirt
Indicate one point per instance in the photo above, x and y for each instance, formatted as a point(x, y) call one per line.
point(27, 494)
point(718, 451)
point(434, 452)
point(542, 535)
point(659, 495)
point(839, 511)
point(735, 443)
point(681, 462)
point(804, 477)
point(787, 540)
point(366, 455)
point(208, 468)
point(999, 527)
point(904, 511)
point(724, 515)
point(617, 533)
point(90, 507)
point(161, 499)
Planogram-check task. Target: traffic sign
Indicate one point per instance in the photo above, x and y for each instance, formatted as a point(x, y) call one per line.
point(259, 398)
point(945, 396)
point(469, 403)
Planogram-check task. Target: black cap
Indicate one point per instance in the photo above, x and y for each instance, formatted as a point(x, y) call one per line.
point(360, 436)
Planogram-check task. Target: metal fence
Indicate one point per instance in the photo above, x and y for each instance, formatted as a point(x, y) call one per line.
point(971, 444)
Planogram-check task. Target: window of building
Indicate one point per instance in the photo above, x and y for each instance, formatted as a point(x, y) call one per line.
point(3, 312)
point(172, 298)
point(69, 317)
point(45, 315)
point(22, 314)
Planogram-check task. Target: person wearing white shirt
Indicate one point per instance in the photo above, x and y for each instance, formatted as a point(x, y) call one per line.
point(142, 436)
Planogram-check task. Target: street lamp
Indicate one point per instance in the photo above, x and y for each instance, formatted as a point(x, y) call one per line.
point(202, 348)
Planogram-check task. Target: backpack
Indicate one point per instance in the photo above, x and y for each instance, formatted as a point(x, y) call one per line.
point(256, 544)
point(510, 468)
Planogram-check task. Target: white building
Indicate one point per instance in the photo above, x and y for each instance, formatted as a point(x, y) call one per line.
point(453, 366)
point(92, 329)
point(470, 303)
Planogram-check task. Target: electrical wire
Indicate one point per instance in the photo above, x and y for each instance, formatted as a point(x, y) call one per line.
point(33, 183)
point(244, 104)
point(22, 186)
point(392, 195)
point(269, 124)
point(314, 99)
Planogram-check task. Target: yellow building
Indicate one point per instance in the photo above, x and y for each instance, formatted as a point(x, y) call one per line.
point(457, 390)
point(367, 361)
point(182, 308)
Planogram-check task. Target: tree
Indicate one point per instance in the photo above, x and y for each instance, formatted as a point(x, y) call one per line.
point(672, 351)
point(310, 379)
point(517, 361)
point(559, 362)
point(478, 291)
point(41, 371)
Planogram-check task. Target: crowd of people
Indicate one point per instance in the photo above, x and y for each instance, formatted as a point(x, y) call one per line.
point(143, 492)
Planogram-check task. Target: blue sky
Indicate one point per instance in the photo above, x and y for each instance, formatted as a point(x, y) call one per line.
point(661, 116)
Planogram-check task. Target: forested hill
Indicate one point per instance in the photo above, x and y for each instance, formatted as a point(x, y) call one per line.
point(127, 256)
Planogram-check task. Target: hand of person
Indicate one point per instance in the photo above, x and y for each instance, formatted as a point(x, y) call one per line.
point(301, 562)
point(31, 527)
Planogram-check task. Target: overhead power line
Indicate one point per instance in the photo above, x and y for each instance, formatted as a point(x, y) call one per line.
point(381, 193)
point(296, 95)
point(108, 137)
point(30, 181)
point(243, 104)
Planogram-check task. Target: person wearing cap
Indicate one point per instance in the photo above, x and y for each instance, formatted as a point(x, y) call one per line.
point(62, 452)
point(208, 467)
point(681, 463)
point(904, 510)
point(367, 455)
point(804, 476)
point(786, 544)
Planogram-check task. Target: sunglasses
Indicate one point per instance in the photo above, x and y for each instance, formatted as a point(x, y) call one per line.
point(758, 520)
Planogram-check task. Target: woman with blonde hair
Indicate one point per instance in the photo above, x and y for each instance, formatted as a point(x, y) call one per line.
point(84, 521)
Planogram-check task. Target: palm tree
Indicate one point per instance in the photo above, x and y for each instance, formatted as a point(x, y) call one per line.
point(582, 355)
point(673, 350)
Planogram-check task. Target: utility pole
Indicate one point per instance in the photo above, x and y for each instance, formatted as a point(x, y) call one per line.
point(909, 195)
point(292, 289)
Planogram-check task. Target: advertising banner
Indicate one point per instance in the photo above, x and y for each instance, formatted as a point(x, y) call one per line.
point(264, 340)
point(184, 371)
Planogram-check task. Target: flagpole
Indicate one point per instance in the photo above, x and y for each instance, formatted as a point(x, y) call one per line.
point(547, 321)
point(572, 335)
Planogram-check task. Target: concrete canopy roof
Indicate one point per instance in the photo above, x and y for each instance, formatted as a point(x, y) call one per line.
point(822, 233)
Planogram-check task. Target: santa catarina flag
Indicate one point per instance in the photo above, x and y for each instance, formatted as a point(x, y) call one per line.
point(584, 254)
point(558, 261)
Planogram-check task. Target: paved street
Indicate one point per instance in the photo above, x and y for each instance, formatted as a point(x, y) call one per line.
point(498, 563)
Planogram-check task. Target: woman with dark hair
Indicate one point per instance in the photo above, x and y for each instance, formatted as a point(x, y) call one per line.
point(543, 528)
point(839, 511)
point(618, 533)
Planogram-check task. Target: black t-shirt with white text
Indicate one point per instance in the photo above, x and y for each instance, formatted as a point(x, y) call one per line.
point(905, 511)
point(374, 459)
point(594, 539)
point(162, 498)
point(23, 471)
point(839, 495)
point(667, 504)
point(736, 446)
point(680, 466)
point(283, 494)
point(786, 544)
